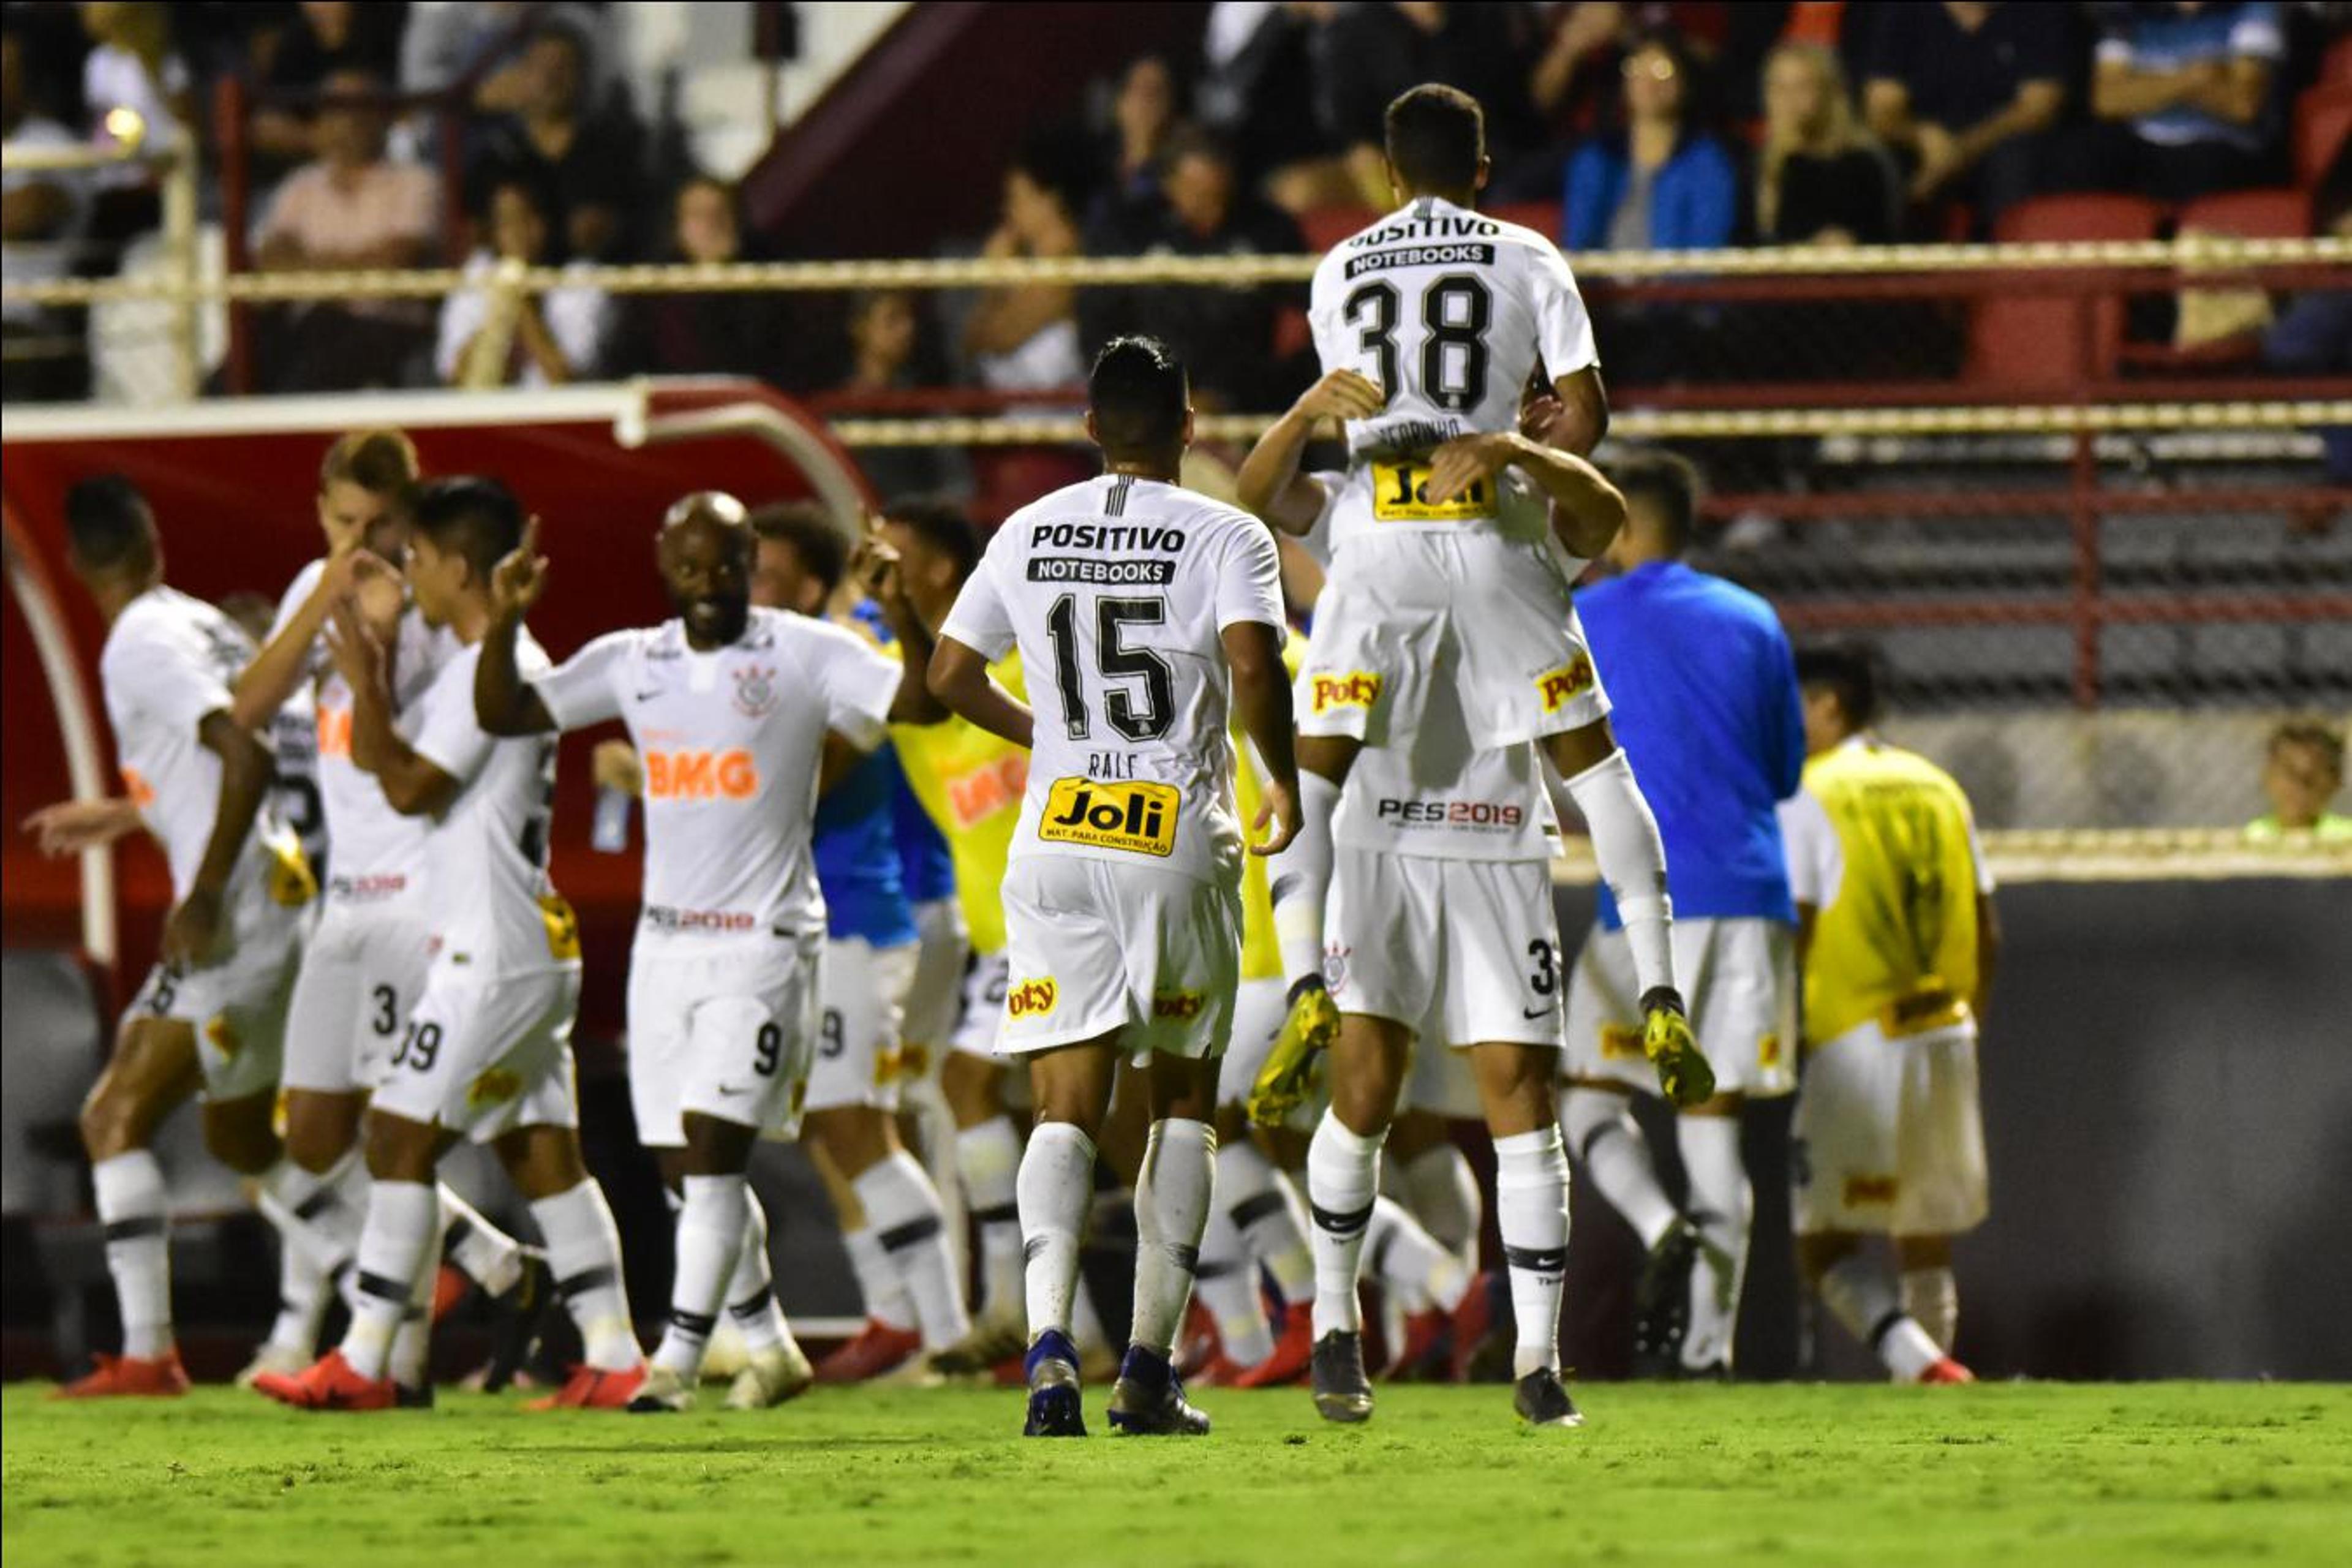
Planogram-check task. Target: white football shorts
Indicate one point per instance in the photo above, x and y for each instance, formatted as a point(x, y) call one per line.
point(1096, 946)
point(1463, 953)
point(363, 968)
point(237, 1006)
point(1888, 1137)
point(1739, 977)
point(729, 1035)
point(982, 1023)
point(863, 998)
point(935, 995)
point(484, 1053)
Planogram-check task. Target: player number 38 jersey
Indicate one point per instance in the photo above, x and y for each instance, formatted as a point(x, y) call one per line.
point(1117, 591)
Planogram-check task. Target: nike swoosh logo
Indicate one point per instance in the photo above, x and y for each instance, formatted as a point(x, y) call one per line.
point(649, 695)
point(730, 1089)
point(1537, 1013)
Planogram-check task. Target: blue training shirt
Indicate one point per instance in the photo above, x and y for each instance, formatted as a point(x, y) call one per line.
point(925, 867)
point(857, 855)
point(1703, 696)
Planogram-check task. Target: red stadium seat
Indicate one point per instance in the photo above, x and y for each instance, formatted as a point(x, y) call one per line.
point(2251, 214)
point(2323, 116)
point(1541, 216)
point(1326, 227)
point(2335, 64)
point(2034, 343)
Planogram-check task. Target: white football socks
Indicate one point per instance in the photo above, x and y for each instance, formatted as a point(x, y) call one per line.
point(1174, 1192)
point(1633, 860)
point(1932, 1296)
point(987, 1156)
point(902, 1208)
point(1531, 1208)
point(1267, 1210)
point(1417, 1272)
point(1723, 1208)
point(411, 1345)
point(1343, 1177)
point(750, 1293)
point(1056, 1187)
point(396, 1246)
point(887, 1301)
point(709, 1247)
point(129, 1189)
point(1609, 1143)
point(1301, 880)
point(486, 1255)
point(584, 1250)
point(1442, 1190)
point(1860, 1292)
point(1226, 1281)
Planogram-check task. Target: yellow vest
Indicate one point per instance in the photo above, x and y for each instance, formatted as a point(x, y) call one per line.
point(1898, 942)
point(970, 783)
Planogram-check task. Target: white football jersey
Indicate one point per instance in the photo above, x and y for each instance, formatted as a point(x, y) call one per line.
point(1117, 591)
point(493, 908)
point(377, 852)
point(731, 739)
point(168, 662)
point(1449, 312)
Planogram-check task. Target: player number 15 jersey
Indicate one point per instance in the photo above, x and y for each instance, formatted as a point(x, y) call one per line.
point(1117, 592)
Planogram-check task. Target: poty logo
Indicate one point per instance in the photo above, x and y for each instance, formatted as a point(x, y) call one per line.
point(1557, 686)
point(1031, 998)
point(1862, 1192)
point(700, 776)
point(1178, 1007)
point(1361, 690)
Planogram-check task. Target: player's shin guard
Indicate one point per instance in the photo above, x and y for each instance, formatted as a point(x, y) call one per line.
point(1301, 880)
point(1932, 1296)
point(1860, 1293)
point(1226, 1281)
point(1442, 1190)
point(1056, 1186)
point(1722, 1207)
point(129, 1189)
point(1633, 860)
point(482, 1252)
point(1265, 1209)
point(751, 1292)
point(709, 1245)
point(396, 1246)
point(903, 1210)
point(1531, 1209)
point(1172, 1195)
point(1343, 1177)
point(987, 1156)
point(584, 1251)
point(1609, 1143)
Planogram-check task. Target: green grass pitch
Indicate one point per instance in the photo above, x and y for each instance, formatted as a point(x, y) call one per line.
point(2019, 1474)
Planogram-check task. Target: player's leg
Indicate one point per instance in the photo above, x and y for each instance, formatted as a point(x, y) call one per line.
point(1532, 1210)
point(1175, 1190)
point(1930, 1293)
point(542, 1158)
point(1431, 1176)
point(987, 1153)
point(1941, 1168)
point(1721, 1208)
point(1227, 1281)
point(1343, 1181)
point(1072, 1089)
point(153, 1071)
point(714, 1216)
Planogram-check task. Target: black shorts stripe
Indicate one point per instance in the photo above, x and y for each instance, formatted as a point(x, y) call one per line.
point(1000, 1214)
point(751, 1308)
point(1214, 1270)
point(594, 1278)
point(457, 1231)
point(1537, 1259)
point(384, 1288)
point(134, 1228)
point(1251, 1210)
point(900, 1237)
point(1345, 1222)
point(316, 1203)
point(1188, 1258)
point(694, 1325)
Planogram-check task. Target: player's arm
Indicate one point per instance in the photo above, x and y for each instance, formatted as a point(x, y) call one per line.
point(412, 785)
point(70, 826)
point(1269, 483)
point(959, 678)
point(1581, 417)
point(504, 702)
point(267, 683)
point(192, 929)
point(876, 567)
point(1587, 511)
point(1262, 698)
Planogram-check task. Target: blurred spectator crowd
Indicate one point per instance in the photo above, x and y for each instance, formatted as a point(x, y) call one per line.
point(1662, 125)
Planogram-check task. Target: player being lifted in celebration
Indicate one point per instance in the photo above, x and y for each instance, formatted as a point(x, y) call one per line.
point(1443, 931)
point(730, 707)
point(364, 967)
point(1151, 607)
point(1430, 324)
point(486, 1051)
point(212, 1015)
point(1888, 1138)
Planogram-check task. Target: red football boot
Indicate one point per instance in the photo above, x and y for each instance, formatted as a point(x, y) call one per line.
point(1294, 1353)
point(1947, 1371)
point(593, 1388)
point(879, 1348)
point(1426, 1356)
point(329, 1384)
point(129, 1377)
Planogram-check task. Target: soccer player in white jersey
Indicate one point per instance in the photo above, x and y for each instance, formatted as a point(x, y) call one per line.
point(1431, 325)
point(212, 1012)
point(364, 967)
point(731, 708)
point(1888, 1138)
point(1141, 608)
point(486, 1053)
point(1442, 926)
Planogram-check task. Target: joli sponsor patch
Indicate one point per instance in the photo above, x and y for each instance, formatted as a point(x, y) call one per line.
point(1400, 494)
point(1137, 815)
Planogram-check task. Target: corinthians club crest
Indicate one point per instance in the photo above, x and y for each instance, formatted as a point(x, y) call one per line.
point(755, 691)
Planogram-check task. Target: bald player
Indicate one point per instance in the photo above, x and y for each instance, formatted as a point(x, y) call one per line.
point(730, 707)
